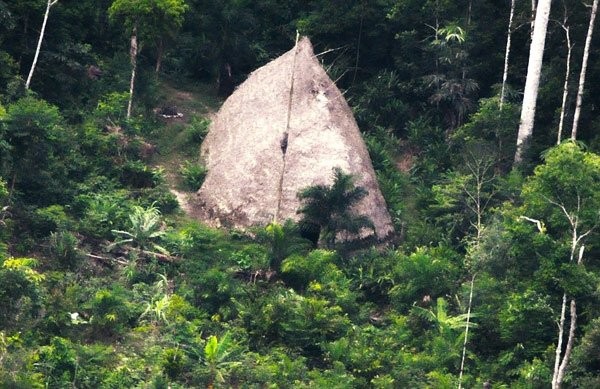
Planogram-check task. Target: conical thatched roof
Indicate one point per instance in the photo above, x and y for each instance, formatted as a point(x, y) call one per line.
point(273, 137)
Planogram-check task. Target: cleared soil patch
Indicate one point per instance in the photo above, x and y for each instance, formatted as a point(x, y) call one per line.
point(175, 139)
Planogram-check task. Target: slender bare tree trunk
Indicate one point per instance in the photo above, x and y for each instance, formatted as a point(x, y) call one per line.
point(533, 10)
point(437, 34)
point(464, 350)
point(563, 106)
point(569, 348)
point(49, 5)
point(479, 168)
point(507, 53)
point(133, 51)
point(560, 370)
point(360, 29)
point(561, 363)
point(24, 42)
point(584, 62)
point(558, 351)
point(534, 69)
point(159, 55)
point(469, 12)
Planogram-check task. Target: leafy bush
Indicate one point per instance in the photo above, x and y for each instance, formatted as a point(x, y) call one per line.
point(379, 101)
point(42, 152)
point(336, 378)
point(445, 332)
point(369, 352)
point(298, 270)
point(112, 108)
point(302, 323)
point(219, 357)
point(50, 219)
point(145, 229)
point(384, 149)
point(57, 362)
point(425, 274)
point(96, 365)
point(173, 362)
point(196, 240)
point(137, 174)
point(494, 125)
point(327, 210)
point(63, 246)
point(103, 212)
point(585, 368)
point(110, 312)
point(251, 257)
point(282, 241)
point(197, 130)
point(193, 175)
point(278, 368)
point(372, 273)
point(8, 73)
point(20, 295)
point(515, 327)
point(430, 141)
point(215, 290)
point(160, 197)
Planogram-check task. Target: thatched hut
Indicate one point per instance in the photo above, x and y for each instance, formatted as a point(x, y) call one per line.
point(285, 128)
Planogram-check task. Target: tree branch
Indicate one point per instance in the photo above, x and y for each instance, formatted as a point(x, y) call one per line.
point(539, 224)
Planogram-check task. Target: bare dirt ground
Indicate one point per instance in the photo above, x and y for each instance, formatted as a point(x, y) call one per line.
point(193, 102)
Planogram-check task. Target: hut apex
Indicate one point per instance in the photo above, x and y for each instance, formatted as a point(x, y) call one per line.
point(284, 129)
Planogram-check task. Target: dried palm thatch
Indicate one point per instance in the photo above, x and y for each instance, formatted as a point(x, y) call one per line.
point(285, 128)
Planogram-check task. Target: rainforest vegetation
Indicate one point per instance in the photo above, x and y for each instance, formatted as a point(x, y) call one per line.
point(488, 163)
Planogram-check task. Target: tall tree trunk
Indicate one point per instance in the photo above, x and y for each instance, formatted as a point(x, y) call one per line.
point(133, 51)
point(464, 350)
point(563, 106)
point(468, 23)
point(533, 9)
point(507, 53)
point(49, 5)
point(560, 374)
point(478, 168)
point(584, 61)
point(159, 55)
point(360, 29)
point(534, 69)
point(560, 365)
point(558, 351)
point(469, 12)
point(24, 41)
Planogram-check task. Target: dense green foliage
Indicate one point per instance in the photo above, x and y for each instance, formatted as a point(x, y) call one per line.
point(106, 283)
point(327, 210)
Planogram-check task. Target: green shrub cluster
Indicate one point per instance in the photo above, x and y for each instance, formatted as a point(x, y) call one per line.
point(104, 283)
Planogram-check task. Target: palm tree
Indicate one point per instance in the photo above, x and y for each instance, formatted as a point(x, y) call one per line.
point(218, 357)
point(145, 230)
point(441, 319)
point(283, 240)
point(452, 89)
point(448, 342)
point(327, 210)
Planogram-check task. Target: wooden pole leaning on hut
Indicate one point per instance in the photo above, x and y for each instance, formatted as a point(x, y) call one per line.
point(285, 139)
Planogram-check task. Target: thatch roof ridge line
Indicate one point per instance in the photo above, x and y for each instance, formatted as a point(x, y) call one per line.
point(286, 132)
